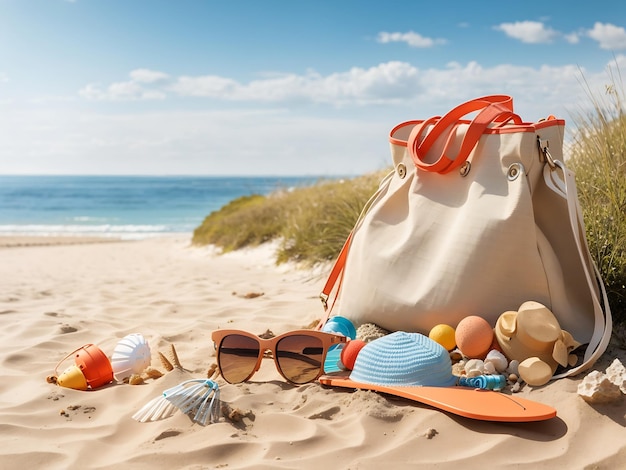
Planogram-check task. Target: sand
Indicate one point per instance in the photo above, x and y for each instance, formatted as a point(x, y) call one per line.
point(56, 297)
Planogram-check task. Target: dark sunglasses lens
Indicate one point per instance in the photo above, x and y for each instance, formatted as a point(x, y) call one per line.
point(237, 357)
point(300, 358)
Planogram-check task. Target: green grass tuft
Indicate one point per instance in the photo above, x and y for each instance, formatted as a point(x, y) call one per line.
point(598, 156)
point(246, 221)
point(311, 223)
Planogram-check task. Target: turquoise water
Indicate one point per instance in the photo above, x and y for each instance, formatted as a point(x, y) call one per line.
point(121, 206)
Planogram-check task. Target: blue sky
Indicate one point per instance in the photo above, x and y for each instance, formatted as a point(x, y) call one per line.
point(276, 87)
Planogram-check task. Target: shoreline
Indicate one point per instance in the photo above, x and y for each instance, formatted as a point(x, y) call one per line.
point(12, 241)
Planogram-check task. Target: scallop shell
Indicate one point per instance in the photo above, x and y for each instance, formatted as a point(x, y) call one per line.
point(130, 356)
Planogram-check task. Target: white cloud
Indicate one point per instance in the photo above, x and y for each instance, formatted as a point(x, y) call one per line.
point(280, 138)
point(4, 78)
point(210, 86)
point(137, 88)
point(608, 36)
point(383, 83)
point(411, 38)
point(572, 38)
point(531, 32)
point(148, 76)
point(388, 84)
point(120, 91)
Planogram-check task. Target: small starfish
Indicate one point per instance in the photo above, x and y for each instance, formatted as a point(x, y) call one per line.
point(169, 366)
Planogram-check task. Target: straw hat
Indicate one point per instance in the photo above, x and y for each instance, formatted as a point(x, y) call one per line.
point(401, 358)
point(533, 336)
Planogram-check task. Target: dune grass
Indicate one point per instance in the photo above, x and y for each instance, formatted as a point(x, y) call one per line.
point(245, 221)
point(598, 156)
point(311, 222)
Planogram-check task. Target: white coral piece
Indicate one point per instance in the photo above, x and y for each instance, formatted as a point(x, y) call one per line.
point(616, 373)
point(597, 388)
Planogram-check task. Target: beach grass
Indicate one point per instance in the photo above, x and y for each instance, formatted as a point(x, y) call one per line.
point(311, 223)
point(598, 157)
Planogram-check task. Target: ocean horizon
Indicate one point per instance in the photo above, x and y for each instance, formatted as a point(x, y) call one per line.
point(126, 207)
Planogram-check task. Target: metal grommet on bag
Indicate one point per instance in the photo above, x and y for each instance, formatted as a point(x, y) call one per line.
point(465, 168)
point(401, 170)
point(515, 169)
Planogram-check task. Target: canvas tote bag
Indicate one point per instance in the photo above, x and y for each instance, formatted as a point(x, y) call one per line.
point(479, 216)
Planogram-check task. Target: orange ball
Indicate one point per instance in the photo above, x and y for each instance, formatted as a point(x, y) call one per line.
point(350, 351)
point(474, 337)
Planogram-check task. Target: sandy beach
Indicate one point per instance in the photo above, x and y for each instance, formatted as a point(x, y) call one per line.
point(57, 295)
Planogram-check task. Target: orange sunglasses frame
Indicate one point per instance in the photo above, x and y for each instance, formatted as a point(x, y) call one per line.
point(328, 340)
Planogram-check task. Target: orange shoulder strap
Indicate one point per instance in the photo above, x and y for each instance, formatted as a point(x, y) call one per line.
point(335, 275)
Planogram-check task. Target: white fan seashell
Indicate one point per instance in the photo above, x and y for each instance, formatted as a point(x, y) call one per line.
point(130, 356)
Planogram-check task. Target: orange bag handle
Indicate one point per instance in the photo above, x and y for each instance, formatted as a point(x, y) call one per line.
point(334, 278)
point(493, 109)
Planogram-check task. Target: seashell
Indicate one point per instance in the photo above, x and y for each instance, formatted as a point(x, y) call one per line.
point(474, 367)
point(497, 359)
point(153, 373)
point(489, 368)
point(458, 369)
point(135, 379)
point(513, 367)
point(456, 355)
point(130, 356)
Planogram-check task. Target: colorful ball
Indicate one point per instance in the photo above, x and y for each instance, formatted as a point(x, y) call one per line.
point(474, 336)
point(444, 335)
point(350, 352)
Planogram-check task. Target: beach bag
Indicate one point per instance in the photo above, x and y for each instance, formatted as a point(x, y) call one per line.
point(478, 216)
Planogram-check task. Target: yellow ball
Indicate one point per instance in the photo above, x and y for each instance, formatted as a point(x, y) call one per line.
point(444, 335)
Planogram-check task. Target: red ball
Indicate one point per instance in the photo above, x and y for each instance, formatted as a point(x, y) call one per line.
point(350, 351)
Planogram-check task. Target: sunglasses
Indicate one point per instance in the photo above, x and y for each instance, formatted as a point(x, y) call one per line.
point(299, 355)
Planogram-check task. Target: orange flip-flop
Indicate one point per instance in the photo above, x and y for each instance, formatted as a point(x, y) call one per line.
point(486, 405)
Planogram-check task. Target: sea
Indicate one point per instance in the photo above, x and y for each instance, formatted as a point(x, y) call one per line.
point(126, 207)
